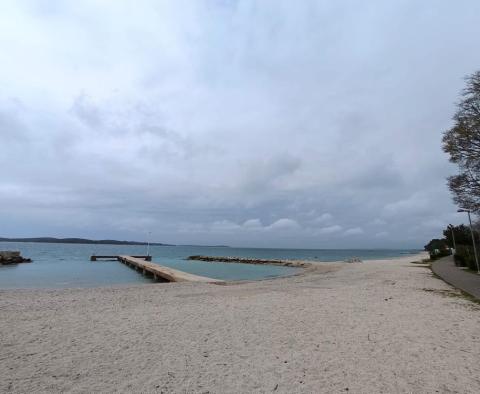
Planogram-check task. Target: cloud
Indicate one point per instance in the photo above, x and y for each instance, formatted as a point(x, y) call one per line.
point(284, 224)
point(253, 224)
point(228, 226)
point(417, 203)
point(378, 222)
point(323, 218)
point(85, 111)
point(354, 231)
point(253, 123)
point(330, 229)
point(224, 226)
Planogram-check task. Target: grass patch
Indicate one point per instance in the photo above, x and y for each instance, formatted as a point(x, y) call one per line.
point(459, 293)
point(456, 293)
point(423, 263)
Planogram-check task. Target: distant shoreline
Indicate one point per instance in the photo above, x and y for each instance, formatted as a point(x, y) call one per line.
point(85, 241)
point(52, 240)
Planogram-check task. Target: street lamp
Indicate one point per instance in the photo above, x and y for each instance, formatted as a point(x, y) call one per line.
point(473, 237)
point(453, 236)
point(148, 243)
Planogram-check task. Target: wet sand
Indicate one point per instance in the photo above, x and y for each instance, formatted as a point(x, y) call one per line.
point(374, 327)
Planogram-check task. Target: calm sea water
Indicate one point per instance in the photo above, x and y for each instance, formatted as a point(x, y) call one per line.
point(68, 265)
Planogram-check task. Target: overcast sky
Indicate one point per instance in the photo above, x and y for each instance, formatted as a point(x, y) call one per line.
point(247, 123)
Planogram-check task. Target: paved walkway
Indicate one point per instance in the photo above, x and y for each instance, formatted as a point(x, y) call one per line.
point(466, 281)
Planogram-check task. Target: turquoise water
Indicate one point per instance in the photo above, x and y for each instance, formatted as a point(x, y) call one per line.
point(68, 265)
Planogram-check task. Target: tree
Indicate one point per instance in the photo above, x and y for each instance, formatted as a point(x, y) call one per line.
point(462, 143)
point(476, 226)
point(462, 234)
point(436, 244)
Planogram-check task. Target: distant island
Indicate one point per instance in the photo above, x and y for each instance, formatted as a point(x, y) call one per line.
point(53, 240)
point(205, 246)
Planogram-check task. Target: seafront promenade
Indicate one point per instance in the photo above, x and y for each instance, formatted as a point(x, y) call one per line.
point(446, 269)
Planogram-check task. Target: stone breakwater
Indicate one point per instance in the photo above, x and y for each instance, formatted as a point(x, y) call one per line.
point(12, 257)
point(244, 260)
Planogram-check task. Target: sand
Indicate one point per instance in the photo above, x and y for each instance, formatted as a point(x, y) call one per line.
point(372, 327)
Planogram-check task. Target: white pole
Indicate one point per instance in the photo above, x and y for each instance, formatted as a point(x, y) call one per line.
point(148, 243)
point(453, 237)
point(473, 240)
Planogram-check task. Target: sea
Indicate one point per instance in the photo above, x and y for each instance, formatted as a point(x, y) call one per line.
point(59, 265)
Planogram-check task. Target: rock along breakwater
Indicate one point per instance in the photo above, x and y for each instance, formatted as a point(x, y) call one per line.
point(245, 260)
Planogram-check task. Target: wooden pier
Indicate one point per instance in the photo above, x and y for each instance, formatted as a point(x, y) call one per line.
point(156, 271)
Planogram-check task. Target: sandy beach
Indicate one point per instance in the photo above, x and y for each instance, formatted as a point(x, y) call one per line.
point(374, 327)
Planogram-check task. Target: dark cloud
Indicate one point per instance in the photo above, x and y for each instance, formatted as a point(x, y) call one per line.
point(304, 124)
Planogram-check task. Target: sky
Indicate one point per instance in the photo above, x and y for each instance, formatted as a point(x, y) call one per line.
point(273, 123)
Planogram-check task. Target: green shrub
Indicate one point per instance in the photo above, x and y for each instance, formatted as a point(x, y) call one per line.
point(459, 260)
point(465, 257)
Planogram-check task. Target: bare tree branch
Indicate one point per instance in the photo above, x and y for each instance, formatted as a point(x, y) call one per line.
point(462, 143)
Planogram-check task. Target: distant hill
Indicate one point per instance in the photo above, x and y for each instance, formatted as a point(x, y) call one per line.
point(205, 246)
point(52, 240)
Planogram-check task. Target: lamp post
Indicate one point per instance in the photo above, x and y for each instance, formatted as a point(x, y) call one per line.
point(473, 237)
point(453, 236)
point(148, 244)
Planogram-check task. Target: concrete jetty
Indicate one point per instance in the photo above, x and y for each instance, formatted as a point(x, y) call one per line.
point(159, 272)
